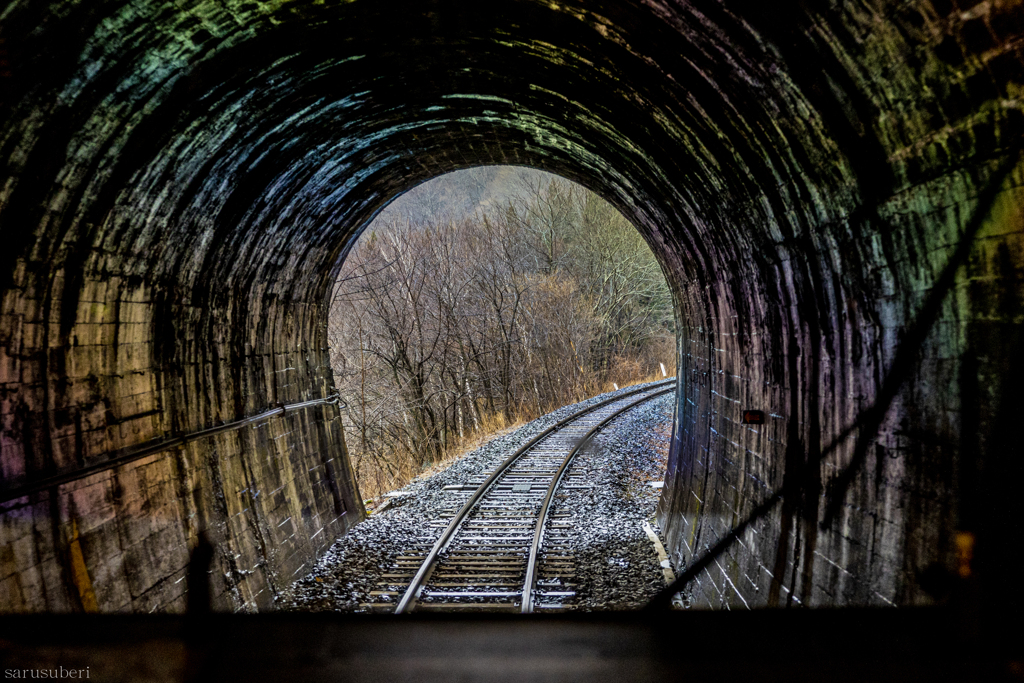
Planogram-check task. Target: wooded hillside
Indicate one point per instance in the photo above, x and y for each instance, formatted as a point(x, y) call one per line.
point(445, 330)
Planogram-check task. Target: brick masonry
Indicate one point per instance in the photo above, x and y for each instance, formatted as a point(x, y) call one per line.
point(183, 179)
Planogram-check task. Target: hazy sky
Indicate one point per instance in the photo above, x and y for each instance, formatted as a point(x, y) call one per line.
point(455, 195)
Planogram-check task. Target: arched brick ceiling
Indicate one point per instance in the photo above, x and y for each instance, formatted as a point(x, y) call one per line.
point(182, 180)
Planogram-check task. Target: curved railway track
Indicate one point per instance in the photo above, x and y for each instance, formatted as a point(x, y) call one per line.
point(504, 548)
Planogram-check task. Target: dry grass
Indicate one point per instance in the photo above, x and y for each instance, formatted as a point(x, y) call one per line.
point(375, 479)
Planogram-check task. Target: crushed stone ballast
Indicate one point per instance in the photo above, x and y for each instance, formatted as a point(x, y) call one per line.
point(564, 514)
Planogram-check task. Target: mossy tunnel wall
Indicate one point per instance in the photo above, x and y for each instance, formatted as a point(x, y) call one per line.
point(182, 180)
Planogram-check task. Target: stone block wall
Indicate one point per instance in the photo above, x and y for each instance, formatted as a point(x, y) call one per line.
point(270, 496)
point(812, 330)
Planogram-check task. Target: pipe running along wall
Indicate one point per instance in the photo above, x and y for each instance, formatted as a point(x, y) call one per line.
point(182, 180)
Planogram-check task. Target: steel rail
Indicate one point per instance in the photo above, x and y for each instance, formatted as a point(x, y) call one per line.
point(538, 534)
point(151, 447)
point(426, 569)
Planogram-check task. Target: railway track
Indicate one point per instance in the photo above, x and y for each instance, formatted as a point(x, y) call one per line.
point(503, 546)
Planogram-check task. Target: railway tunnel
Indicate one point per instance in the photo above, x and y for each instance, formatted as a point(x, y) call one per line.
point(833, 192)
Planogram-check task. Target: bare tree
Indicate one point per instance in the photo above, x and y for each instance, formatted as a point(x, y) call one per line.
point(446, 329)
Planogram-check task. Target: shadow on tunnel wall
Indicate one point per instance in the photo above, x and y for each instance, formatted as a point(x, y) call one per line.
point(833, 192)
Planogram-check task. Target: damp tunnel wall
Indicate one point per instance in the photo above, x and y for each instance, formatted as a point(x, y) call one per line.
point(183, 179)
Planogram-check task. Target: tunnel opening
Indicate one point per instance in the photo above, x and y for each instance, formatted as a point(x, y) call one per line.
point(473, 311)
point(481, 300)
point(169, 201)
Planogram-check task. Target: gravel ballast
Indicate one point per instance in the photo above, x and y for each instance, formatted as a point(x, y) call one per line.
point(616, 563)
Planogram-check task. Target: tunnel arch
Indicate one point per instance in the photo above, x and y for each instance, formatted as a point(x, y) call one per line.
point(183, 182)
